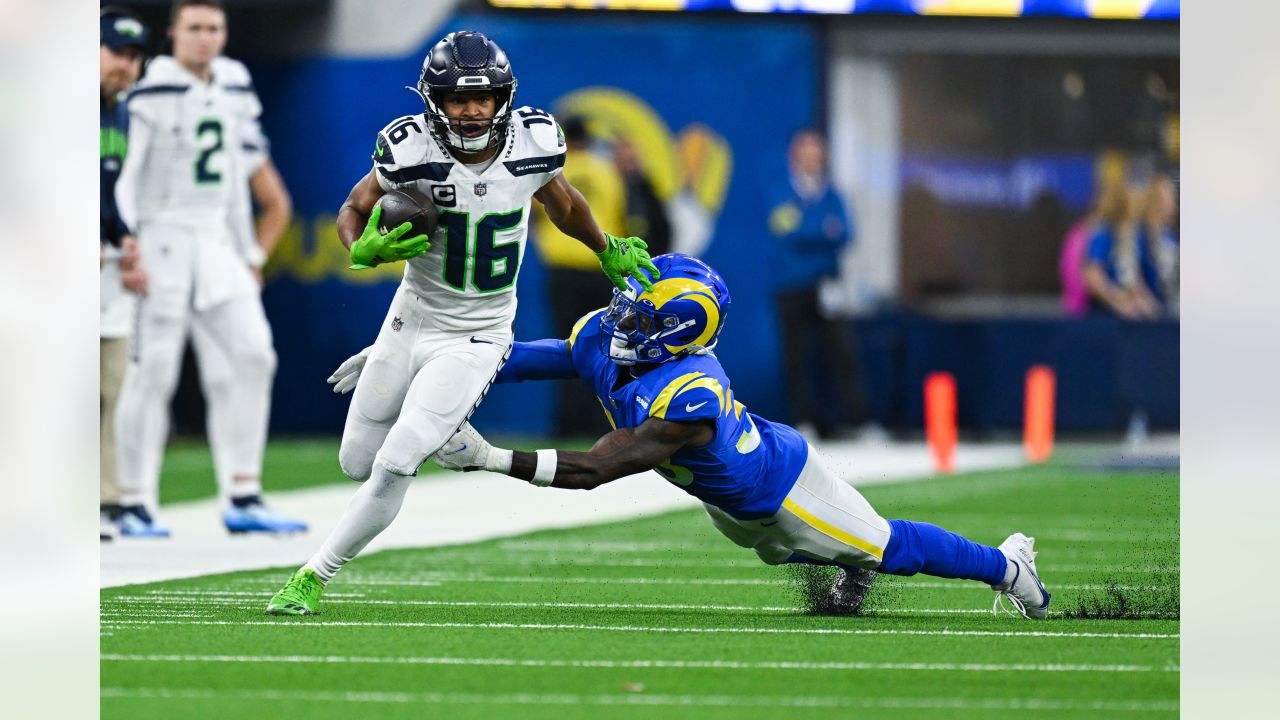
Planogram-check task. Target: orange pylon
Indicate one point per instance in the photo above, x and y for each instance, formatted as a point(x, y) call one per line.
point(1037, 422)
point(940, 419)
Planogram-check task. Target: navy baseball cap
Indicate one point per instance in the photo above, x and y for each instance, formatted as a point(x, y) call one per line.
point(121, 29)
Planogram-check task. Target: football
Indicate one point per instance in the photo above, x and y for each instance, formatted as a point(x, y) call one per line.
point(400, 206)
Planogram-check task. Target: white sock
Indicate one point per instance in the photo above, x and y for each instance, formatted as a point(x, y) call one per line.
point(1010, 572)
point(370, 511)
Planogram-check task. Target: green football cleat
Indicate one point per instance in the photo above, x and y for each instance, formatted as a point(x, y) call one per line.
point(299, 596)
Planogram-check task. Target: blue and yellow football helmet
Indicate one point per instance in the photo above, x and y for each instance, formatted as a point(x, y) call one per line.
point(683, 314)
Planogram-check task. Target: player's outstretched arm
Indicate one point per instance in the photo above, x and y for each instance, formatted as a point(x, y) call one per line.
point(538, 360)
point(568, 210)
point(621, 453)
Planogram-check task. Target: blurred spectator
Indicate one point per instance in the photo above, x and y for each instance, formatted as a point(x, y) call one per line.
point(1112, 262)
point(123, 42)
point(574, 282)
point(1075, 248)
point(1157, 242)
point(646, 214)
point(811, 228)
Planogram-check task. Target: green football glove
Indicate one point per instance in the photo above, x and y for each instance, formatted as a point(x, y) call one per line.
point(626, 256)
point(373, 248)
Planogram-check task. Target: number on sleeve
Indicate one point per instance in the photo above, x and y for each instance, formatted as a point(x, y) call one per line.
point(400, 130)
point(534, 117)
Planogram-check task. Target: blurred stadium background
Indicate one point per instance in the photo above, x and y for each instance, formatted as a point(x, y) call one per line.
point(966, 136)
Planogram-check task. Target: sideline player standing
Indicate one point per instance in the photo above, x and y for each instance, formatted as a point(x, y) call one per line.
point(448, 330)
point(123, 43)
point(184, 189)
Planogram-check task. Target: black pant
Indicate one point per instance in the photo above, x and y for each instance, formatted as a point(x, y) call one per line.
point(574, 293)
point(802, 322)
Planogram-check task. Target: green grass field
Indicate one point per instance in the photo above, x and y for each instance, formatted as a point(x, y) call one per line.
point(663, 618)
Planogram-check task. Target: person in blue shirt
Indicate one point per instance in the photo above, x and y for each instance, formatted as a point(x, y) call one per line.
point(810, 229)
point(123, 43)
point(649, 357)
point(1117, 266)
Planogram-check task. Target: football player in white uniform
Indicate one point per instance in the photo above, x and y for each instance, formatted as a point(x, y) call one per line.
point(448, 331)
point(184, 190)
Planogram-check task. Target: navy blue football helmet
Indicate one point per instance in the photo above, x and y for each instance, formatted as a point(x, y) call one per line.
point(467, 61)
point(682, 315)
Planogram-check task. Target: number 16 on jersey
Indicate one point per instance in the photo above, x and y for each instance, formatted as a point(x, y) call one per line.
point(475, 254)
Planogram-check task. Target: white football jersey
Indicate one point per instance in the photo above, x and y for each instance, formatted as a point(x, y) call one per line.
point(468, 276)
point(201, 144)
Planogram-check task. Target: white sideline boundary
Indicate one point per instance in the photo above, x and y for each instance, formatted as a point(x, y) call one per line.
point(116, 619)
point(452, 509)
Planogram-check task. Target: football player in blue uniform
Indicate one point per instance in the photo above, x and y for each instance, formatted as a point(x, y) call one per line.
point(649, 356)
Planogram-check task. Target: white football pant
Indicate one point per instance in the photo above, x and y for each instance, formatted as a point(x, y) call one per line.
point(198, 285)
point(419, 385)
point(823, 518)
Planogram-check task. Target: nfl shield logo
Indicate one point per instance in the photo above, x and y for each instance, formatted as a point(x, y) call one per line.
point(481, 188)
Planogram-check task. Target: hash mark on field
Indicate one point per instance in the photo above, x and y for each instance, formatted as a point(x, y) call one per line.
point(638, 628)
point(915, 703)
point(657, 664)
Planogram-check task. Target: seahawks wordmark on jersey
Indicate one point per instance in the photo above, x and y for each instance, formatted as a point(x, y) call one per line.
point(468, 276)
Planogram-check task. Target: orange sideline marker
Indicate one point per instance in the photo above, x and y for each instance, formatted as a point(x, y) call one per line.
point(940, 419)
point(1037, 423)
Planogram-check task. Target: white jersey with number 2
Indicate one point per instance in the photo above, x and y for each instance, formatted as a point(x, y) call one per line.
point(468, 276)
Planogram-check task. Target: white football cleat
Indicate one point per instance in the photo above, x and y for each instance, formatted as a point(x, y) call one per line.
point(1025, 592)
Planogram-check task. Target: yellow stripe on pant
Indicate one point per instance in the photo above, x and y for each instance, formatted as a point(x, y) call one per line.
point(832, 531)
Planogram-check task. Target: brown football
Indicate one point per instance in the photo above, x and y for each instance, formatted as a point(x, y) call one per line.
point(400, 206)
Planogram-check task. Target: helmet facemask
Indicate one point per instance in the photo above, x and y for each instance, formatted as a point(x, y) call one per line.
point(450, 130)
point(635, 332)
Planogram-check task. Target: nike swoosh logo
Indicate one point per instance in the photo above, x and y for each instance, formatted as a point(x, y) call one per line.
point(691, 408)
point(455, 452)
point(475, 339)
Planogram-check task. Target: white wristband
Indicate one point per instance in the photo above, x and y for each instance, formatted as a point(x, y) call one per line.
point(546, 469)
point(499, 461)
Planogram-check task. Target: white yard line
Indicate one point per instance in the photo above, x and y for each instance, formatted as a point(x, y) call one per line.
point(793, 701)
point(438, 579)
point(589, 559)
point(452, 509)
point(113, 619)
point(646, 664)
point(253, 601)
point(135, 600)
